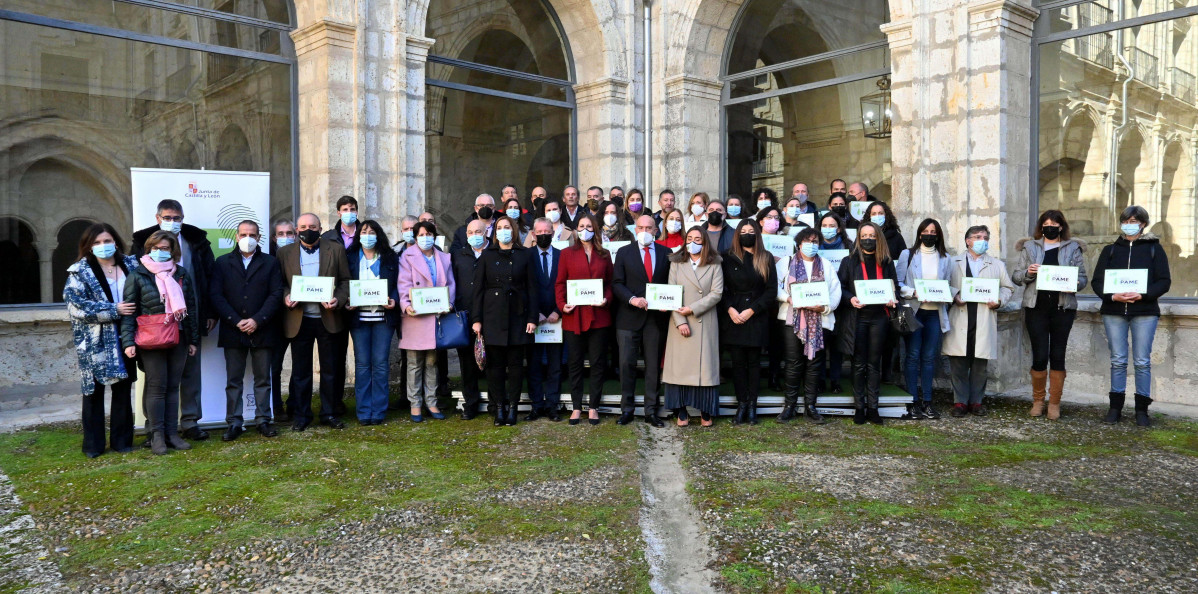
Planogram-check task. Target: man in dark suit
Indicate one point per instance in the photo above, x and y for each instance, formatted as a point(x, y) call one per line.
point(637, 327)
point(571, 209)
point(545, 364)
point(307, 323)
point(484, 210)
point(464, 261)
point(198, 259)
point(247, 291)
point(345, 231)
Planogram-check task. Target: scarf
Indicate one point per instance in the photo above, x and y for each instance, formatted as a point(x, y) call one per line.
point(610, 232)
point(169, 289)
point(806, 323)
point(835, 245)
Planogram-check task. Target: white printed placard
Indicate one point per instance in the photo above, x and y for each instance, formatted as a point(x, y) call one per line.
point(851, 234)
point(368, 292)
point(793, 230)
point(834, 257)
point(782, 246)
point(874, 292)
point(631, 229)
point(979, 290)
point(439, 241)
point(561, 244)
point(857, 209)
point(663, 297)
point(732, 222)
point(613, 247)
point(430, 300)
point(311, 289)
point(549, 333)
point(1134, 280)
point(1057, 278)
point(933, 290)
point(584, 292)
point(810, 294)
point(807, 219)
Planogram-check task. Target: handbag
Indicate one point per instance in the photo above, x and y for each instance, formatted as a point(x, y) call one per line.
point(156, 331)
point(480, 353)
point(453, 330)
point(903, 321)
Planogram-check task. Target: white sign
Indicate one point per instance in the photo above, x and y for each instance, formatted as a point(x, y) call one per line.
point(561, 244)
point(834, 257)
point(584, 292)
point(809, 294)
point(933, 291)
point(874, 292)
point(733, 222)
point(807, 219)
point(364, 292)
point(1057, 278)
point(613, 247)
point(215, 201)
point(548, 333)
point(311, 289)
point(430, 300)
point(782, 246)
point(793, 230)
point(439, 241)
point(857, 209)
point(663, 297)
point(851, 233)
point(1134, 280)
point(979, 290)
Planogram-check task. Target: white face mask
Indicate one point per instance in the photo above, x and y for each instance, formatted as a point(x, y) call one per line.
point(644, 238)
point(247, 244)
point(697, 210)
point(673, 226)
point(585, 234)
point(553, 215)
point(694, 248)
point(609, 219)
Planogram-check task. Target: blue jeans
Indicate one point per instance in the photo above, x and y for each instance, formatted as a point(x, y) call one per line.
point(923, 352)
point(372, 369)
point(1143, 329)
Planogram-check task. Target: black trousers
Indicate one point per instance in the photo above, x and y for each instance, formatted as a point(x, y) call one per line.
point(833, 358)
point(470, 376)
point(277, 356)
point(545, 376)
point(341, 350)
point(505, 374)
point(591, 345)
point(746, 372)
point(121, 420)
point(235, 363)
point(872, 327)
point(312, 331)
point(803, 376)
point(160, 396)
point(635, 344)
point(1048, 328)
point(777, 350)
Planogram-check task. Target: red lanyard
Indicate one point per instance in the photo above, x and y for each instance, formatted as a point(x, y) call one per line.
point(866, 274)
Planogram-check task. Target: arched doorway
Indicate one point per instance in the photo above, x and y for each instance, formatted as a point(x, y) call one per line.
point(20, 277)
point(66, 252)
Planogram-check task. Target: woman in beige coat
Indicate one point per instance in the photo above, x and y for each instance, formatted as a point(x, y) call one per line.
point(692, 364)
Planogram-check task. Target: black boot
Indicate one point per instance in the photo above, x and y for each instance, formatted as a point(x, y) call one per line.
point(742, 411)
point(1142, 418)
point(752, 408)
point(917, 410)
point(1115, 414)
point(500, 414)
point(859, 416)
point(788, 413)
point(512, 411)
point(812, 414)
point(872, 416)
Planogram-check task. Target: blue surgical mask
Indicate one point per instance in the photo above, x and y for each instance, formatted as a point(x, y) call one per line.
point(425, 242)
point(409, 237)
point(878, 220)
point(513, 213)
point(503, 235)
point(160, 255)
point(694, 248)
point(476, 241)
point(1130, 229)
point(762, 204)
point(349, 218)
point(104, 250)
point(734, 210)
point(809, 249)
point(171, 226)
point(980, 246)
point(792, 212)
point(369, 241)
point(829, 232)
point(282, 241)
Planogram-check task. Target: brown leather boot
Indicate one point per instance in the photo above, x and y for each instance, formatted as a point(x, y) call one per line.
point(1056, 385)
point(1039, 379)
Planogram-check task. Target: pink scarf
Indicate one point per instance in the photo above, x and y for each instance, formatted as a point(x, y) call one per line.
point(169, 289)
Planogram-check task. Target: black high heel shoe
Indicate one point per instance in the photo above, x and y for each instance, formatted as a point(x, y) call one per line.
point(574, 421)
point(594, 421)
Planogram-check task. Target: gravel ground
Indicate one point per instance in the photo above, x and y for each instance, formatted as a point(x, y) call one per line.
point(584, 487)
point(24, 564)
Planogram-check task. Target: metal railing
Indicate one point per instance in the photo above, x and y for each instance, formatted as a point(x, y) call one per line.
point(1095, 48)
point(1183, 85)
point(1146, 66)
point(1090, 14)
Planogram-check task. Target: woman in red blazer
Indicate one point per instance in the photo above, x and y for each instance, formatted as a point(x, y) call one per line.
point(586, 329)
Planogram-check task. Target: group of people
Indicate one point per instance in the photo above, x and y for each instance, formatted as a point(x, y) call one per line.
point(740, 264)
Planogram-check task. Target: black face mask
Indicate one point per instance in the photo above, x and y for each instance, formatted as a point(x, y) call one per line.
point(593, 204)
point(539, 205)
point(309, 236)
point(928, 240)
point(485, 212)
point(747, 240)
point(868, 245)
point(1051, 232)
point(715, 218)
point(618, 201)
point(544, 241)
point(840, 210)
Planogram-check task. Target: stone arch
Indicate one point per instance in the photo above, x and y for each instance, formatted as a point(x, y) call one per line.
point(1176, 220)
point(66, 252)
point(233, 150)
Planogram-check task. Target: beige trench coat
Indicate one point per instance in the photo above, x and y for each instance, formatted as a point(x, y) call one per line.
point(695, 360)
point(955, 341)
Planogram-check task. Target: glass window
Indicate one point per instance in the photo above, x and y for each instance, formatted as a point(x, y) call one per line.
point(1097, 155)
point(1101, 12)
point(517, 35)
point(776, 31)
point(79, 110)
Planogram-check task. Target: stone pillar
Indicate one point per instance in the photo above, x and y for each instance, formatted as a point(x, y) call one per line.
point(416, 56)
point(603, 133)
point(45, 261)
point(689, 138)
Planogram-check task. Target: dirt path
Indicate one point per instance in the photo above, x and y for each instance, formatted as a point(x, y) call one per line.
point(24, 563)
point(675, 544)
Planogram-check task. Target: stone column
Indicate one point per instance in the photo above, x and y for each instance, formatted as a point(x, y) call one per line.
point(416, 59)
point(604, 156)
point(689, 138)
point(45, 261)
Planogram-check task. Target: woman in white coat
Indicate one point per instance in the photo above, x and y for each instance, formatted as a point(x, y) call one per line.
point(804, 338)
point(926, 260)
point(973, 339)
point(692, 364)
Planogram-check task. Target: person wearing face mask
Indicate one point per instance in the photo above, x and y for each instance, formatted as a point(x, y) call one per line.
point(696, 210)
point(791, 213)
point(195, 255)
point(879, 213)
point(505, 312)
point(799, 192)
point(928, 260)
point(634, 206)
point(484, 210)
point(595, 201)
point(345, 230)
point(718, 231)
point(94, 294)
point(637, 327)
point(160, 287)
point(863, 328)
point(972, 339)
point(734, 206)
point(511, 208)
point(769, 220)
point(833, 237)
point(838, 203)
point(1132, 313)
point(283, 234)
point(764, 198)
point(750, 289)
point(537, 199)
point(670, 234)
point(545, 359)
point(666, 201)
point(465, 262)
point(407, 238)
point(691, 374)
point(616, 196)
point(553, 213)
point(807, 328)
point(586, 328)
point(615, 226)
point(420, 268)
point(1048, 315)
point(247, 294)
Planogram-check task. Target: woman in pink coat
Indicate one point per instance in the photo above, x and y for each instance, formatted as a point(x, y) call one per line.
point(422, 266)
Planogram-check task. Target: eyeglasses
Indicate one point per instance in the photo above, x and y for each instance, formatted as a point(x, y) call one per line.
point(178, 219)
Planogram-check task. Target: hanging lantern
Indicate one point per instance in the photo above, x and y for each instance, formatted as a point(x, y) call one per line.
point(876, 111)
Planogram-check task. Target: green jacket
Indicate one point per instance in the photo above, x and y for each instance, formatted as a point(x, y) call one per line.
point(142, 291)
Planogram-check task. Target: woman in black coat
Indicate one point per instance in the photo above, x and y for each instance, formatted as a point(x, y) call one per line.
point(879, 213)
point(505, 315)
point(750, 288)
point(863, 328)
